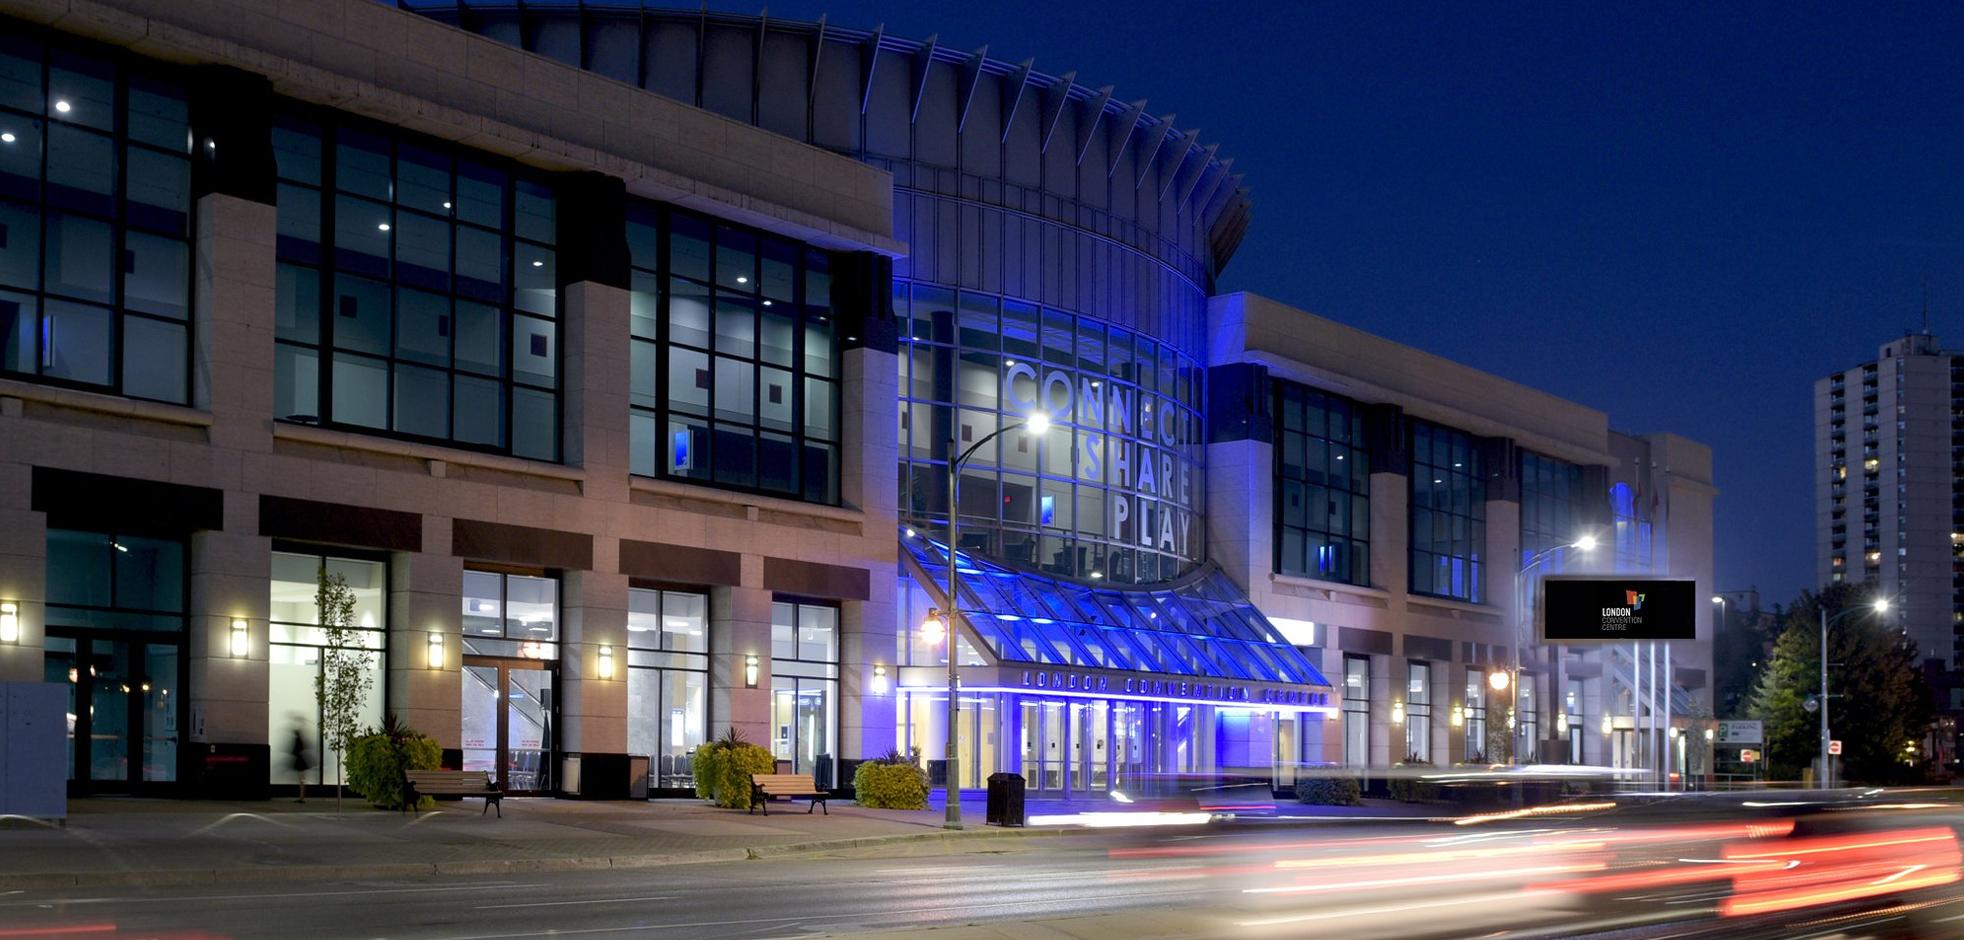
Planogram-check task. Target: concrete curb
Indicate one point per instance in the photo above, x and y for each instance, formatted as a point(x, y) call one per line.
point(36, 881)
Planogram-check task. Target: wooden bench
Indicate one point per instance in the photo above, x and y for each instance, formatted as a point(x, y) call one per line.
point(476, 783)
point(763, 787)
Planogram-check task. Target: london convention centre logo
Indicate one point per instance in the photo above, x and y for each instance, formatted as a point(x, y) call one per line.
point(1632, 600)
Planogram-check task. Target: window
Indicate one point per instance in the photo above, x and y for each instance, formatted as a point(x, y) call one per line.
point(1109, 494)
point(416, 291)
point(1476, 716)
point(294, 654)
point(1356, 711)
point(1553, 508)
point(511, 615)
point(805, 686)
point(667, 681)
point(734, 378)
point(95, 223)
point(1448, 515)
point(1418, 713)
point(1527, 730)
point(1323, 487)
point(102, 581)
point(1572, 707)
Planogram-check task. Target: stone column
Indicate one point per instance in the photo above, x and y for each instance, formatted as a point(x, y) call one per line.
point(230, 574)
point(740, 626)
point(593, 707)
point(869, 465)
point(23, 562)
point(425, 599)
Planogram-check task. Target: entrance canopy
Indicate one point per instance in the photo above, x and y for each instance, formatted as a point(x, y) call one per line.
point(1199, 630)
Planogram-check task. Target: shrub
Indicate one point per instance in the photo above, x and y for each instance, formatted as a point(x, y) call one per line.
point(1329, 791)
point(891, 781)
point(723, 768)
point(1411, 789)
point(377, 759)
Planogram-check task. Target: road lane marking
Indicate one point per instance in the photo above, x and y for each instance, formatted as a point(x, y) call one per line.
point(494, 907)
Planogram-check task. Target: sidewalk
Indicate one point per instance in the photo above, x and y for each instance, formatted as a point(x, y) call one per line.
point(110, 841)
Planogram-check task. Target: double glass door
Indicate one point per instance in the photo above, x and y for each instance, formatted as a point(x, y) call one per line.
point(508, 711)
point(124, 703)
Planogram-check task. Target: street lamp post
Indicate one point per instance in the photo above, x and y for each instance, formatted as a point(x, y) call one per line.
point(1037, 423)
point(1585, 544)
point(1881, 606)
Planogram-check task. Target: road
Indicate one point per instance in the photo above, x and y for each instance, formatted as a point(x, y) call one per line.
point(1586, 873)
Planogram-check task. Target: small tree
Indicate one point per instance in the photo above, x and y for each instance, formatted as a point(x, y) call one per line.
point(341, 687)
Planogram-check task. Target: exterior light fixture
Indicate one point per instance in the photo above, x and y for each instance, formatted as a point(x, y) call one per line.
point(1608, 726)
point(1586, 543)
point(750, 670)
point(1498, 680)
point(1397, 712)
point(241, 639)
point(9, 622)
point(1881, 605)
point(1561, 722)
point(1708, 735)
point(1038, 422)
point(1459, 716)
point(880, 684)
point(605, 667)
point(933, 628)
point(435, 655)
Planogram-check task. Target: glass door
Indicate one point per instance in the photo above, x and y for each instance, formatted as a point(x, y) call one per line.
point(507, 722)
point(124, 700)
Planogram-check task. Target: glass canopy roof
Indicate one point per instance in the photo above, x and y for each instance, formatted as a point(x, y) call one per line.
point(1202, 627)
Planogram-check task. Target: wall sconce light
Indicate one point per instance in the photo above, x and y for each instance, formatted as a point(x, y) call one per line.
point(435, 655)
point(241, 639)
point(880, 684)
point(1397, 713)
point(9, 622)
point(1608, 726)
point(1561, 722)
point(605, 668)
point(750, 670)
point(1708, 735)
point(1459, 716)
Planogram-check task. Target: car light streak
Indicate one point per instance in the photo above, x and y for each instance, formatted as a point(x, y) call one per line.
point(1551, 809)
point(1404, 880)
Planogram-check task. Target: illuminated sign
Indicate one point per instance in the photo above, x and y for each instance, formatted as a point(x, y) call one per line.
point(1043, 680)
point(1596, 609)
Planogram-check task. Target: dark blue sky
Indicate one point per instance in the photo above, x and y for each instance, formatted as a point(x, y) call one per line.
point(1679, 214)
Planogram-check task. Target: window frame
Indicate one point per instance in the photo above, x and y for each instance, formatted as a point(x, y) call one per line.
point(123, 67)
point(1355, 533)
point(331, 125)
point(1422, 553)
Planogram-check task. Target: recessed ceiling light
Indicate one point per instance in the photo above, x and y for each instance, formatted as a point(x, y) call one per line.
point(767, 303)
point(63, 106)
point(6, 137)
point(538, 264)
point(742, 280)
point(384, 226)
point(446, 205)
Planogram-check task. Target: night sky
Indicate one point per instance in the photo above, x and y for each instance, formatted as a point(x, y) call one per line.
point(1680, 215)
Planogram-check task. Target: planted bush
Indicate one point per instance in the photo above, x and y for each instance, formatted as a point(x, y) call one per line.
point(1407, 789)
point(891, 781)
point(1330, 791)
point(723, 768)
point(377, 759)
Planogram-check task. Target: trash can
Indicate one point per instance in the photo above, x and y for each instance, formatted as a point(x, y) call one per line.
point(637, 777)
point(1005, 800)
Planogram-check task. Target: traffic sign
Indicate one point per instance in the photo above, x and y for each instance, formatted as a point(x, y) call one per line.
point(1748, 756)
point(1834, 747)
point(1741, 732)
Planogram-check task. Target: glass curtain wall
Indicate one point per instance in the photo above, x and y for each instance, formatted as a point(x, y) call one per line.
point(667, 681)
point(95, 222)
point(805, 687)
point(294, 654)
point(1418, 712)
point(1110, 493)
point(1356, 711)
point(1449, 514)
point(1552, 514)
point(734, 378)
point(416, 291)
point(1476, 716)
point(1323, 507)
point(115, 625)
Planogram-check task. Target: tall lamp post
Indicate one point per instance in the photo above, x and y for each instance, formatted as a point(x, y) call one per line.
point(1881, 606)
point(1037, 423)
point(1585, 545)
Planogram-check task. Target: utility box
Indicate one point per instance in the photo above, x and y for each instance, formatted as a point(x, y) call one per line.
point(1005, 800)
point(34, 752)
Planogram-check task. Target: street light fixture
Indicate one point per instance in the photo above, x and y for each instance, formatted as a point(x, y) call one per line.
point(1585, 544)
point(1036, 423)
point(1881, 606)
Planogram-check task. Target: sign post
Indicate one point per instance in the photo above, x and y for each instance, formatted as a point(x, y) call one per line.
point(1597, 610)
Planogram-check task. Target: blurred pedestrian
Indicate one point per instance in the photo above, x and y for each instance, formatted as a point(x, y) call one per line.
point(302, 751)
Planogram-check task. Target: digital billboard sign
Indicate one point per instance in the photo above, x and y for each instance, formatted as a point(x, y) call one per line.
point(1607, 609)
